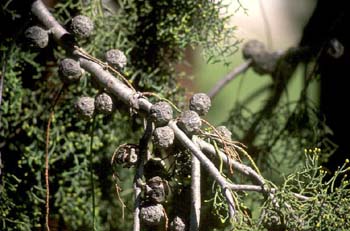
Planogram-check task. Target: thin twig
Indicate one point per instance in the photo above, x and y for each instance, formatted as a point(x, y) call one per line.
point(0, 168)
point(137, 192)
point(258, 188)
point(47, 140)
point(195, 194)
point(47, 144)
point(231, 203)
point(2, 77)
point(92, 172)
point(143, 146)
point(3, 72)
point(230, 76)
point(118, 190)
point(166, 218)
point(137, 205)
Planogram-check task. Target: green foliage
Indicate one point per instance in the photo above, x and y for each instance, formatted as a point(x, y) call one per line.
point(25, 109)
point(327, 207)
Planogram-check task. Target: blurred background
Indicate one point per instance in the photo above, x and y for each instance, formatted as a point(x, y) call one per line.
point(279, 25)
